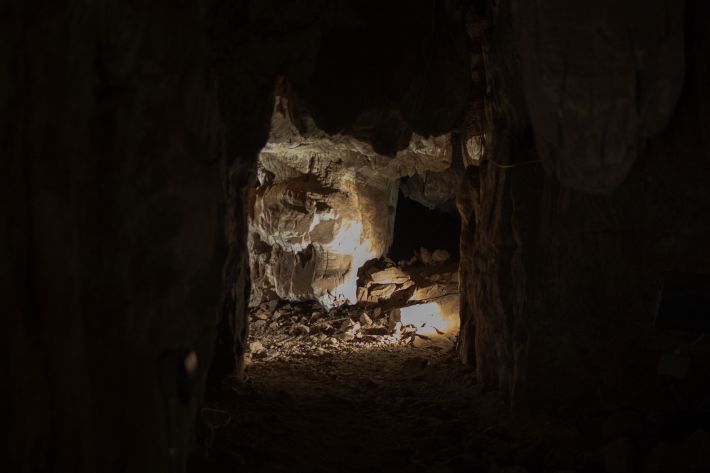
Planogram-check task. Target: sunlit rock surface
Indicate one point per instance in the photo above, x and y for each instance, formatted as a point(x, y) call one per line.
point(324, 205)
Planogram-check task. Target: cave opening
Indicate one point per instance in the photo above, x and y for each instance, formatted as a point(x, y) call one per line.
point(418, 226)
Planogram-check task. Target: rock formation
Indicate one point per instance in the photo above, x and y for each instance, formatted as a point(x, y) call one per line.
point(325, 205)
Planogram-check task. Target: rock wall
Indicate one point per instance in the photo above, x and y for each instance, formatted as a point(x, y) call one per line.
point(560, 287)
point(130, 132)
point(112, 248)
point(325, 205)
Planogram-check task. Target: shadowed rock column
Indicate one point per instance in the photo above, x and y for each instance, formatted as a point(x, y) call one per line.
point(112, 249)
point(561, 285)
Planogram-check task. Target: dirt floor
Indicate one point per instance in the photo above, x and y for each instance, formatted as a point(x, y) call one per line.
point(369, 388)
point(394, 408)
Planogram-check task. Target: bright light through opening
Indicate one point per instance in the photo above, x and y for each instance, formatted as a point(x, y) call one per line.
point(427, 318)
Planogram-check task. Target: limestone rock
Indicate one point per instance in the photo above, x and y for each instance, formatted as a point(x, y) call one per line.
point(300, 329)
point(391, 275)
point(425, 256)
point(434, 189)
point(381, 291)
point(440, 256)
point(365, 320)
point(423, 293)
point(324, 206)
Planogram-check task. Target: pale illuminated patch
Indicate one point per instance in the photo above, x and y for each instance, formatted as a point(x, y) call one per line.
point(427, 318)
point(349, 239)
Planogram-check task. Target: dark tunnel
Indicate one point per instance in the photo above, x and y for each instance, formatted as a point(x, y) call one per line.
point(352, 235)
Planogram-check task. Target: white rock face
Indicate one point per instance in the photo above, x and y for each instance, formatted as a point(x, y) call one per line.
point(323, 207)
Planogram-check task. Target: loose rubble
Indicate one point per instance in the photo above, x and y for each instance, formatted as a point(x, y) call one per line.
point(411, 303)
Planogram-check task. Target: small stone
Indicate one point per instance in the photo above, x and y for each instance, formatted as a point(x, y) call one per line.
point(420, 342)
point(376, 312)
point(381, 322)
point(347, 336)
point(406, 285)
point(259, 324)
point(381, 291)
point(376, 331)
point(392, 275)
point(365, 320)
point(299, 329)
point(362, 294)
point(346, 325)
point(440, 256)
point(269, 306)
point(428, 292)
point(425, 256)
point(261, 315)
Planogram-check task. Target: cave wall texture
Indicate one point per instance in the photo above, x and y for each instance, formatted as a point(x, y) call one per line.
point(562, 279)
point(130, 134)
point(112, 248)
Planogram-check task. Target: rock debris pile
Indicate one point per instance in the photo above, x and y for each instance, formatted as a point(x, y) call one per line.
point(410, 303)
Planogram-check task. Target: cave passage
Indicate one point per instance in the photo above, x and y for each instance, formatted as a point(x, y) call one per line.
point(418, 226)
point(354, 315)
point(230, 242)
